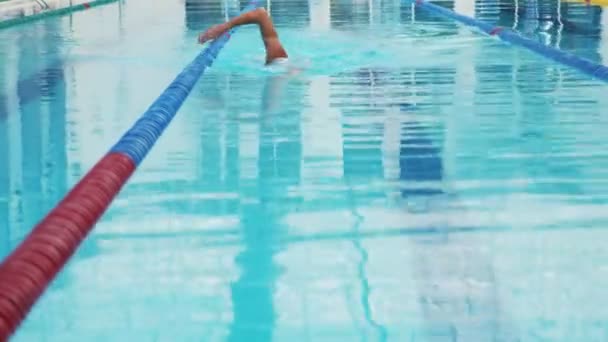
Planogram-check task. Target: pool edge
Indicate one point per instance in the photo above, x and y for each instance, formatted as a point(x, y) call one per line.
point(53, 12)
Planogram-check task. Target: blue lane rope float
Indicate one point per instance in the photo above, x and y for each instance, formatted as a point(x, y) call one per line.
point(591, 68)
point(138, 140)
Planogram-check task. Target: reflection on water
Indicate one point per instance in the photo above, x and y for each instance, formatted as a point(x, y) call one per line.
point(572, 26)
point(396, 189)
point(420, 161)
point(34, 152)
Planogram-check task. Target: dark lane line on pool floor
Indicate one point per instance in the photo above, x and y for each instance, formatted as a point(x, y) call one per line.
point(34, 87)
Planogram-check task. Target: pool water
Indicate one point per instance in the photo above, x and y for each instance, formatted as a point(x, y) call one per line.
point(414, 181)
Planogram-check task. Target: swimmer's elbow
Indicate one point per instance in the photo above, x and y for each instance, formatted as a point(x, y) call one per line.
point(260, 11)
point(258, 15)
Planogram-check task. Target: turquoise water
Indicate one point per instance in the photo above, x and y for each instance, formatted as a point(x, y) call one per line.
point(415, 182)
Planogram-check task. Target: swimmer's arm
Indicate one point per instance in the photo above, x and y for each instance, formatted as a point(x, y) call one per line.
point(259, 16)
point(252, 17)
point(274, 48)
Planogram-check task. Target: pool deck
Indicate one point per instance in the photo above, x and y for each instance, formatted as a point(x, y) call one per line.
point(11, 9)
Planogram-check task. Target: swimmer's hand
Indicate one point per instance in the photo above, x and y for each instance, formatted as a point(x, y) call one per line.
point(213, 32)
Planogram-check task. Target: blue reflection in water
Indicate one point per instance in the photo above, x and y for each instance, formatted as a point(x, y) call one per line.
point(420, 160)
point(29, 93)
point(279, 168)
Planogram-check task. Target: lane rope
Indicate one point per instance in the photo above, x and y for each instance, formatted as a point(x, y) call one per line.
point(596, 70)
point(27, 272)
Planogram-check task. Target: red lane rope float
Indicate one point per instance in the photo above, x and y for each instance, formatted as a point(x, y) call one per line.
point(86, 5)
point(26, 273)
point(496, 30)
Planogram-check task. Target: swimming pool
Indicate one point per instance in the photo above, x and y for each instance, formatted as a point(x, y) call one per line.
point(416, 182)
